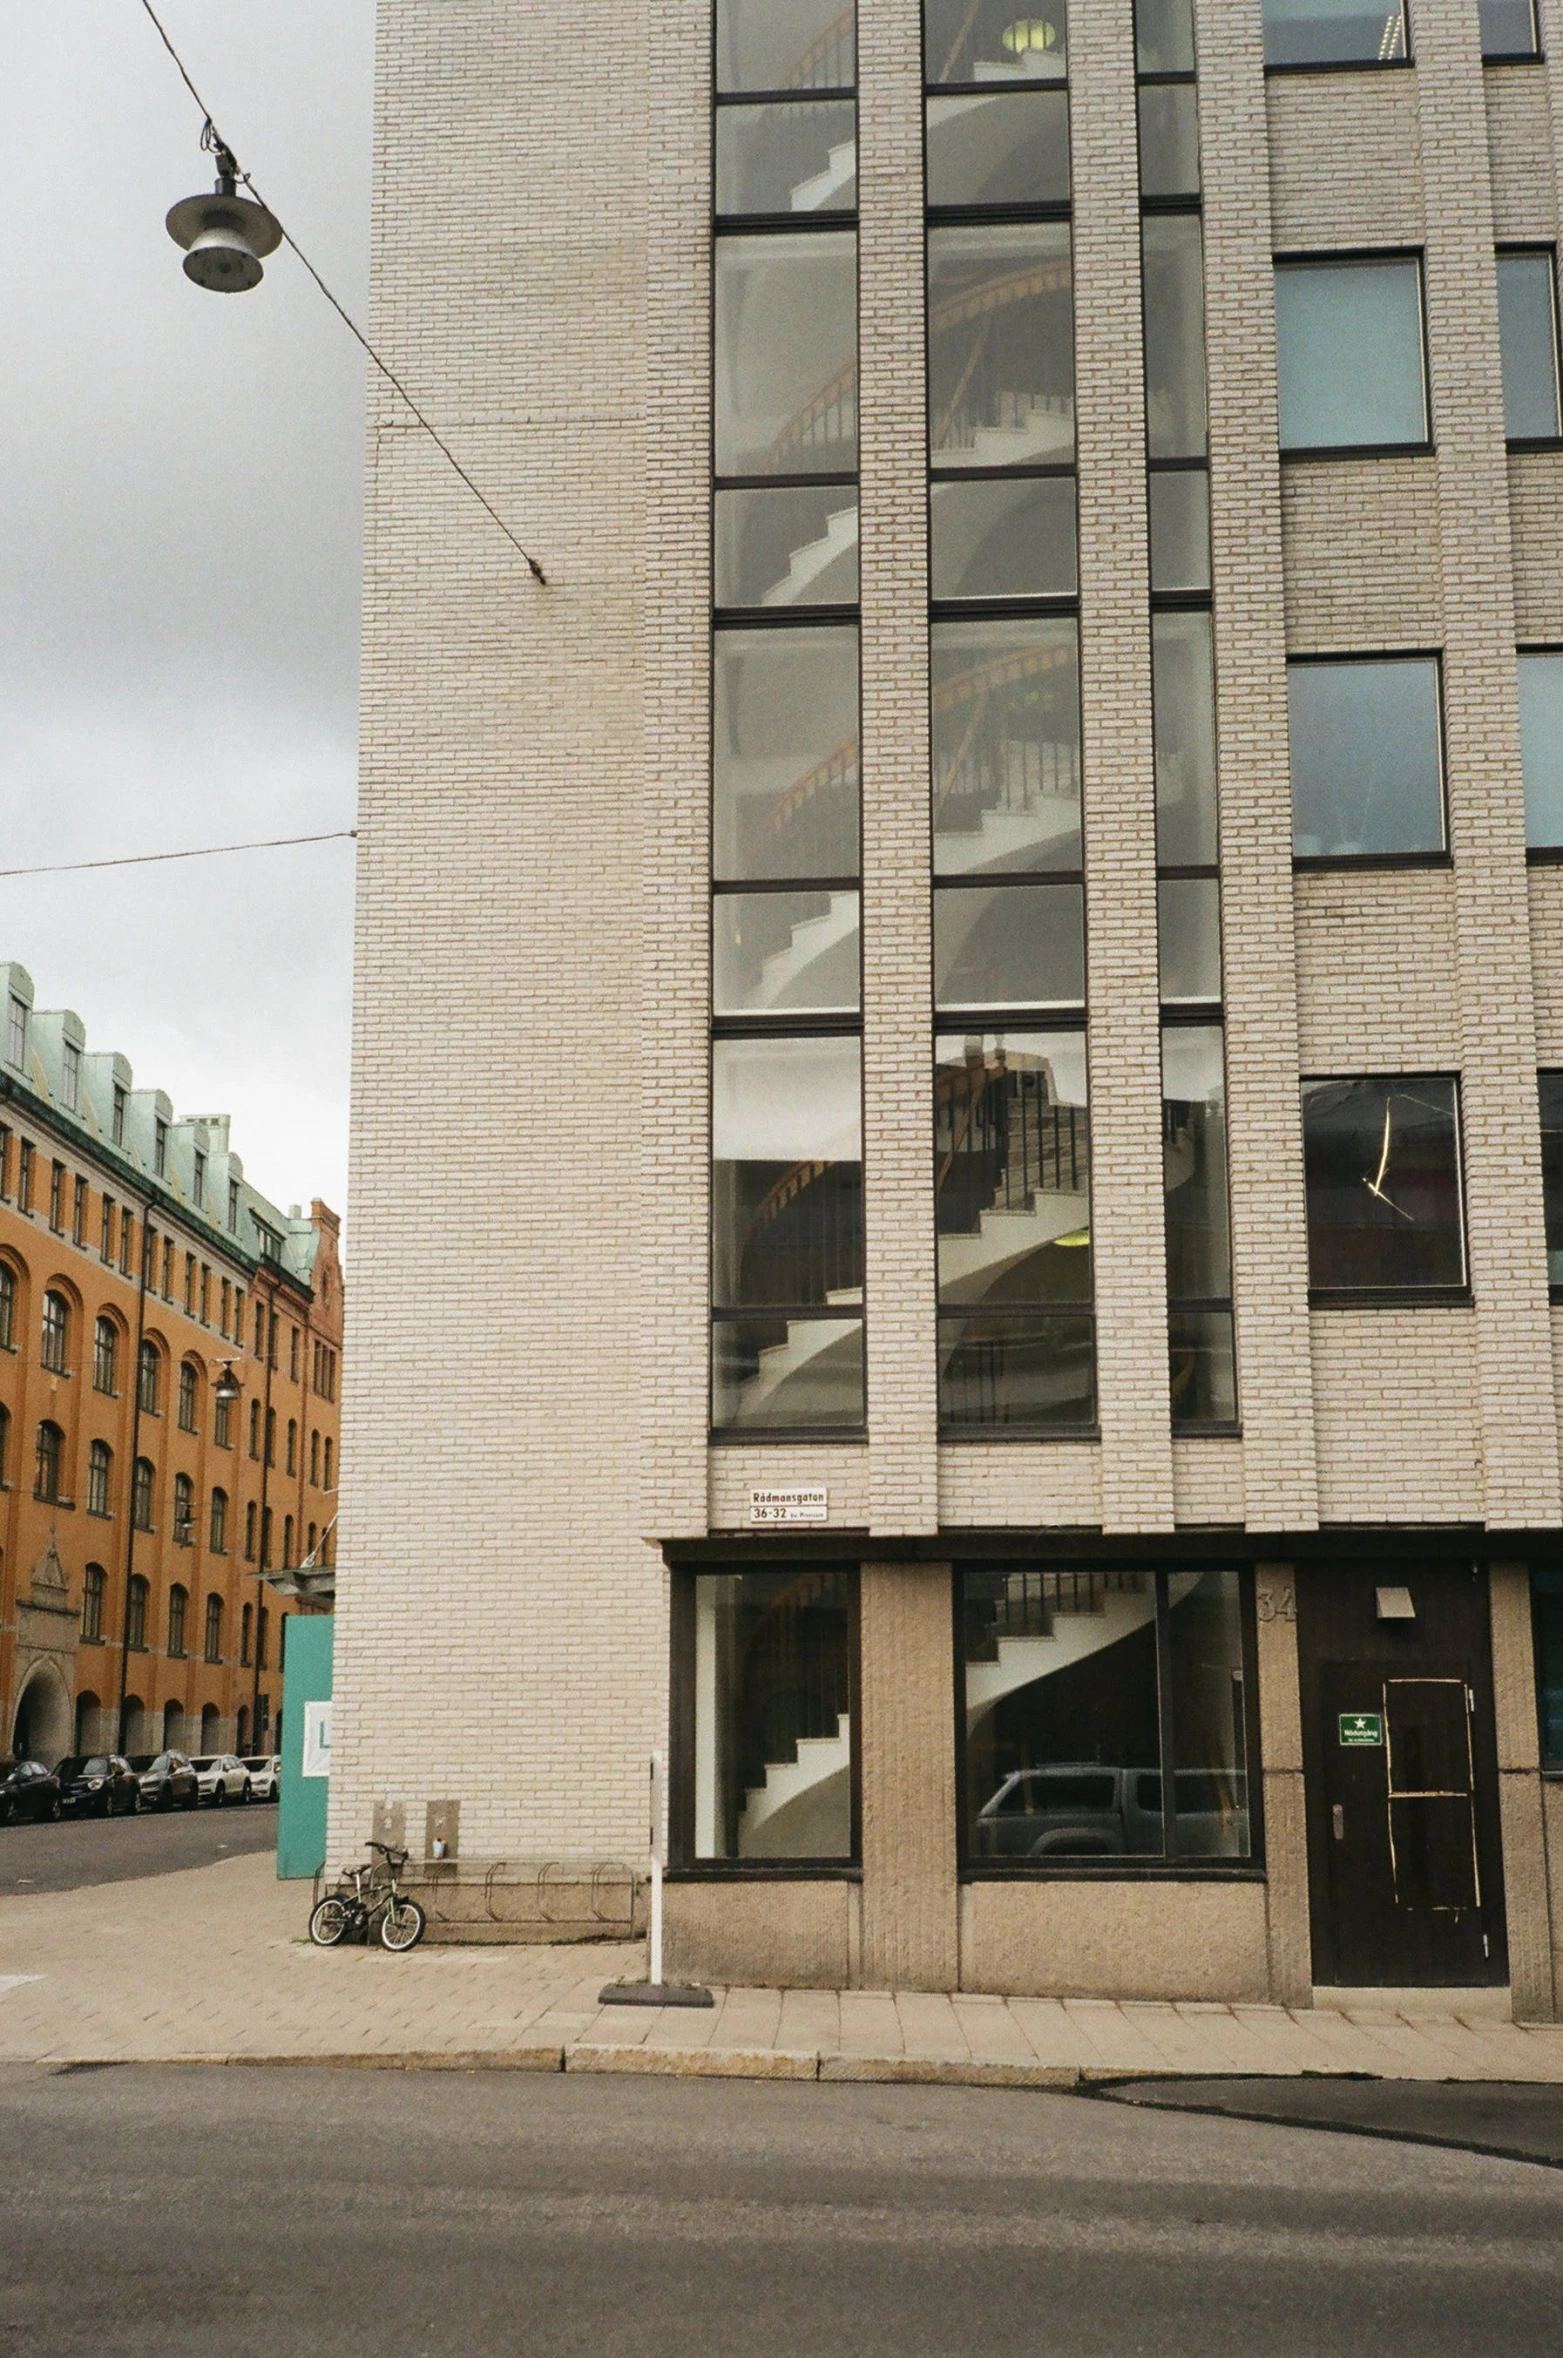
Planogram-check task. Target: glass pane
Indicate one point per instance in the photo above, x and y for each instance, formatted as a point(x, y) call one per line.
point(1169, 140)
point(1006, 745)
point(1209, 1716)
point(1183, 689)
point(1174, 335)
point(785, 951)
point(1541, 748)
point(1508, 28)
point(785, 45)
point(1024, 1368)
point(1194, 1163)
point(1001, 359)
point(1180, 530)
point(1367, 758)
point(800, 158)
point(1383, 1172)
point(773, 1735)
point(1547, 1609)
point(1009, 945)
point(1164, 36)
point(1550, 1086)
point(785, 751)
point(793, 547)
point(784, 1374)
point(1188, 912)
point(1528, 338)
point(1011, 148)
point(1333, 32)
point(1012, 1169)
point(786, 1172)
point(1203, 1367)
point(1004, 538)
point(786, 354)
point(1349, 354)
point(1063, 1726)
point(985, 41)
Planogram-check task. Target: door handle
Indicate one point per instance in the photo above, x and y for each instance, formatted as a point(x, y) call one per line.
point(1338, 1822)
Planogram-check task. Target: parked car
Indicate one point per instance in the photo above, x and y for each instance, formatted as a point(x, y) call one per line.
point(265, 1776)
point(167, 1780)
point(1086, 1810)
point(222, 1778)
point(98, 1784)
point(27, 1790)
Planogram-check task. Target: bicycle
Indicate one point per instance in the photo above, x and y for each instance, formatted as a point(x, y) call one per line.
point(363, 1896)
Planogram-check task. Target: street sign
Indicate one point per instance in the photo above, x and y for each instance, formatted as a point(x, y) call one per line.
point(1362, 1727)
point(810, 1504)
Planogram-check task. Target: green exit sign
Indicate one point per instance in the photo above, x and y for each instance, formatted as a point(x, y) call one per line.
point(1362, 1727)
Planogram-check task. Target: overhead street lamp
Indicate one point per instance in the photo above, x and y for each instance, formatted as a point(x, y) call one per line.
point(224, 235)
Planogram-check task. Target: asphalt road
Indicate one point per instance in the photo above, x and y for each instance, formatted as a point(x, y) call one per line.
point(257, 2212)
point(79, 1851)
point(1521, 2123)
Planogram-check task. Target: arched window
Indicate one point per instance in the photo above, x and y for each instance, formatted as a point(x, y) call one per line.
point(271, 1436)
point(184, 1511)
point(292, 1445)
point(314, 1459)
point(214, 1627)
point(141, 1494)
point(265, 1538)
point(100, 1463)
point(105, 1357)
point(51, 1456)
point(189, 1378)
point(56, 1331)
point(222, 1421)
point(94, 1582)
point(326, 1484)
point(254, 1428)
point(137, 1618)
point(249, 1532)
point(263, 1625)
point(7, 1307)
point(5, 1445)
point(260, 1330)
point(246, 1623)
point(219, 1524)
point(287, 1539)
point(178, 1600)
point(148, 1390)
point(309, 1552)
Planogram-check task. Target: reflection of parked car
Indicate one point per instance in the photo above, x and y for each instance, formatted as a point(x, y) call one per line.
point(27, 1790)
point(167, 1781)
point(262, 1768)
point(1082, 1810)
point(222, 1778)
point(98, 1784)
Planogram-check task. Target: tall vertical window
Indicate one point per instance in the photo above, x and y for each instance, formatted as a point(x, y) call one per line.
point(178, 1604)
point(159, 1147)
point(70, 1076)
point(79, 1213)
point(787, 1278)
point(105, 1356)
point(136, 1616)
point(198, 1180)
point(233, 1205)
point(1528, 343)
point(5, 1447)
point(218, 1529)
point(1550, 1090)
point(214, 1627)
point(189, 1385)
point(117, 1118)
point(106, 1229)
point(250, 1513)
point(57, 1179)
point(184, 1511)
point(7, 1307)
point(1201, 1355)
point(149, 1380)
point(51, 1462)
point(141, 1494)
point(25, 1155)
point(93, 1585)
point(16, 1033)
point(222, 1421)
point(100, 1463)
point(56, 1332)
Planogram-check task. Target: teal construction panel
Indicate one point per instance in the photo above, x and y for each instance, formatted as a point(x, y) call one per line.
point(306, 1682)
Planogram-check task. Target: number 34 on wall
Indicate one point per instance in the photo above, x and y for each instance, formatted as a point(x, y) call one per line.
point(1275, 1600)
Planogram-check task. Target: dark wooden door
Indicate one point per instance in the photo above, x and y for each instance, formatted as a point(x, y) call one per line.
point(1404, 1851)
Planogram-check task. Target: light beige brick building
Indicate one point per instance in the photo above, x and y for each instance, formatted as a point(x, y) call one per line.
point(999, 923)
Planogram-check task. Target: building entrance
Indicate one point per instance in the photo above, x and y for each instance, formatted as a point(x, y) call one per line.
point(1404, 1847)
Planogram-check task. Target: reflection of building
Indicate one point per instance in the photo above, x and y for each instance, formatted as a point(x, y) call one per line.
point(139, 1269)
point(997, 878)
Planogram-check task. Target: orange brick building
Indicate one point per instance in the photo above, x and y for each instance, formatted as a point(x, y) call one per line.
point(170, 1374)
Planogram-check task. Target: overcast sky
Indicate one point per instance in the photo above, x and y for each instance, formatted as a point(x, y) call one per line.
point(180, 524)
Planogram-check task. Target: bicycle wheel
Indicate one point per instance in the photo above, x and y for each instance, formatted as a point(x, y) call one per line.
point(401, 1927)
point(329, 1921)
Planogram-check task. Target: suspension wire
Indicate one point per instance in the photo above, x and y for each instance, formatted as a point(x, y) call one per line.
point(213, 141)
point(205, 851)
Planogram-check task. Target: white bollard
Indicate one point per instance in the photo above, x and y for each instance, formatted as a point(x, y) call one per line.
point(658, 1815)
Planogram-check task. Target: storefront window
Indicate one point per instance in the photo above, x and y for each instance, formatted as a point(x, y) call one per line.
point(1546, 1590)
point(770, 1662)
point(1087, 1695)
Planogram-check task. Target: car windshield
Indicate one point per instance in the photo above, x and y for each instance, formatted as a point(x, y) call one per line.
point(144, 1760)
point(259, 1760)
point(210, 1762)
point(164, 1760)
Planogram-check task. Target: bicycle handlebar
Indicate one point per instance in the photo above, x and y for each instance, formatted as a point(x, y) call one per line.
point(392, 1857)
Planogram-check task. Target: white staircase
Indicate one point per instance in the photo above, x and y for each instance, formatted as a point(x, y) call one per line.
point(1041, 426)
point(839, 178)
point(969, 1266)
point(807, 1338)
point(807, 581)
point(779, 1817)
point(1074, 1635)
point(814, 939)
point(1029, 826)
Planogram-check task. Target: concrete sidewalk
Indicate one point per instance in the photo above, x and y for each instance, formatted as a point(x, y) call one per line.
point(212, 1964)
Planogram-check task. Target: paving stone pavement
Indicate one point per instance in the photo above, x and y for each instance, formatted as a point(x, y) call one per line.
point(213, 1964)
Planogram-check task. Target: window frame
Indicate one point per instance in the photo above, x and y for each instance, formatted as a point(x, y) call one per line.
point(1314, 863)
point(683, 1866)
point(1327, 453)
point(1352, 65)
point(1535, 55)
point(1537, 249)
point(1254, 1868)
point(1380, 1297)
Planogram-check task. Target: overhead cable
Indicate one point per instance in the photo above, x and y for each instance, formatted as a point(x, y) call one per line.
point(204, 851)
